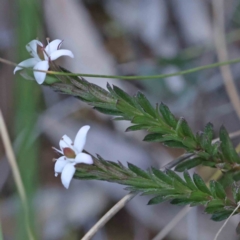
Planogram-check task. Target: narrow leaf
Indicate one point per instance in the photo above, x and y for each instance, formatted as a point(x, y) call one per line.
point(200, 184)
point(145, 104)
point(189, 181)
point(136, 127)
point(220, 216)
point(168, 116)
point(188, 164)
point(220, 192)
point(138, 171)
point(228, 150)
point(162, 176)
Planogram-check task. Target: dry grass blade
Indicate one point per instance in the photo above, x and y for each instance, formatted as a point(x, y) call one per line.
point(161, 235)
point(220, 43)
point(16, 174)
point(116, 208)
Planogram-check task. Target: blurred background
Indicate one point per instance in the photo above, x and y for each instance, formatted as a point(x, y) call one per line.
point(134, 37)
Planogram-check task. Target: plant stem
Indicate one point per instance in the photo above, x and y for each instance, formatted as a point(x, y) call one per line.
point(192, 70)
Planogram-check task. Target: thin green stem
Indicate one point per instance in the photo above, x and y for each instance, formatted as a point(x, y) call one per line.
point(192, 70)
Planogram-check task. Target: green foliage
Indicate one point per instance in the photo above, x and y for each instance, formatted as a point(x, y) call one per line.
point(160, 122)
point(164, 186)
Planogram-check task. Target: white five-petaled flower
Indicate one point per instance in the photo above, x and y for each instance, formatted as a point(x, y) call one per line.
point(41, 57)
point(72, 155)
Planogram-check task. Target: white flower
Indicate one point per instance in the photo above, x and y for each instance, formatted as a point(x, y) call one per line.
point(42, 56)
point(72, 154)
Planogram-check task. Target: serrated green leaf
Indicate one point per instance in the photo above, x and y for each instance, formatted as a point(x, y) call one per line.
point(189, 181)
point(220, 192)
point(145, 104)
point(162, 176)
point(188, 164)
point(200, 184)
point(136, 127)
point(138, 171)
point(168, 116)
point(220, 216)
point(215, 205)
point(227, 148)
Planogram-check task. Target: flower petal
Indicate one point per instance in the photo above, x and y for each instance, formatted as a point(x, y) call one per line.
point(32, 48)
point(40, 76)
point(66, 142)
point(59, 165)
point(63, 52)
point(83, 158)
point(26, 63)
point(67, 174)
point(53, 46)
point(80, 138)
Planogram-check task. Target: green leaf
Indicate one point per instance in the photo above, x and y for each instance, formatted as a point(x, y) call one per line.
point(213, 188)
point(185, 129)
point(220, 192)
point(110, 89)
point(188, 164)
point(162, 176)
point(100, 93)
point(216, 205)
point(145, 104)
point(138, 171)
point(220, 216)
point(181, 201)
point(228, 150)
point(200, 184)
point(107, 106)
point(127, 98)
point(173, 175)
point(160, 199)
point(153, 137)
point(126, 108)
point(143, 120)
point(207, 137)
point(109, 111)
point(189, 181)
point(136, 127)
point(208, 132)
point(174, 144)
point(168, 116)
point(198, 197)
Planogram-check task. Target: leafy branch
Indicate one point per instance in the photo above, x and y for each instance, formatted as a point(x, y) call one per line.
point(159, 121)
point(165, 186)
